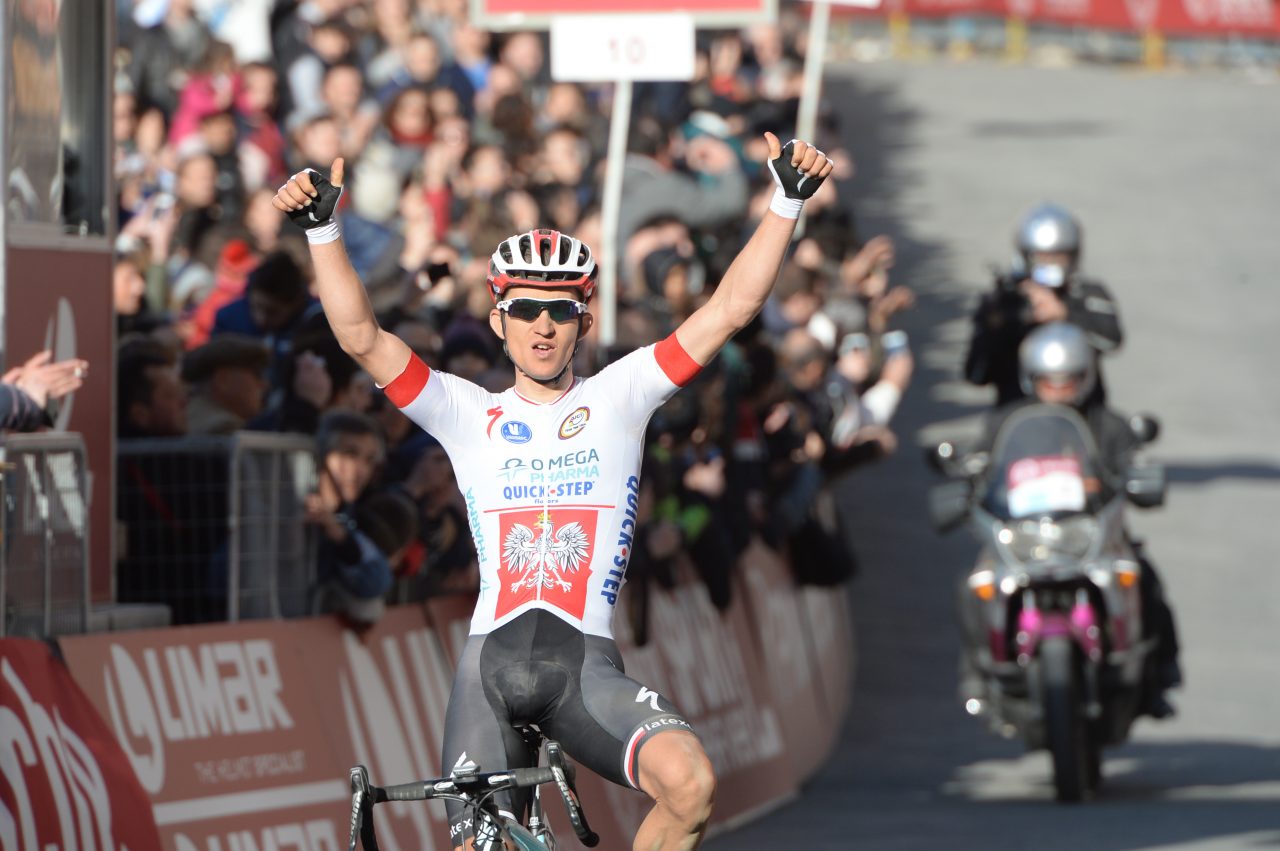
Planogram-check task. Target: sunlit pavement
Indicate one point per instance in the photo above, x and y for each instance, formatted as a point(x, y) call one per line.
point(1176, 180)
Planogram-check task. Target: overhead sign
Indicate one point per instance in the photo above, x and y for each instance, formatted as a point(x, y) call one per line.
point(538, 14)
point(609, 48)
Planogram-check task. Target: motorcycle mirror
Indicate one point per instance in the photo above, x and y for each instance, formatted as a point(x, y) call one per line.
point(948, 505)
point(1144, 427)
point(1146, 485)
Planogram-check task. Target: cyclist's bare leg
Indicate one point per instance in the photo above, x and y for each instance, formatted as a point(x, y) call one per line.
point(675, 772)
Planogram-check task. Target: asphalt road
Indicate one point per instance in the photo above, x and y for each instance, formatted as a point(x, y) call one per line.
point(1177, 182)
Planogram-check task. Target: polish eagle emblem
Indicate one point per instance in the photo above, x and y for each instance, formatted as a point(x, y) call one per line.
point(544, 556)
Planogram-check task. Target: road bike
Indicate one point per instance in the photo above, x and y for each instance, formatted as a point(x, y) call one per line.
point(475, 790)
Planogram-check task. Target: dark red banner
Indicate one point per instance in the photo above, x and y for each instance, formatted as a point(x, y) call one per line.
point(66, 783)
point(242, 734)
point(1216, 18)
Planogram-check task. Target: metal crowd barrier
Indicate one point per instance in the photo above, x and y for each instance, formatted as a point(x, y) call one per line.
point(214, 527)
point(44, 527)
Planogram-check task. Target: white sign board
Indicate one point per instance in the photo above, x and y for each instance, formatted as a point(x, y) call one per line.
point(538, 14)
point(612, 48)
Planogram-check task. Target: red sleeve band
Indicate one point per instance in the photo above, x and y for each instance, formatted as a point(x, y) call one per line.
point(409, 383)
point(676, 362)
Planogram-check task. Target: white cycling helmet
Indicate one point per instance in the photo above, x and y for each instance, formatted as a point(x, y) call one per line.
point(542, 258)
point(1058, 349)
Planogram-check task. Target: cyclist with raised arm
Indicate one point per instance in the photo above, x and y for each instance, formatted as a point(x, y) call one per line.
point(550, 473)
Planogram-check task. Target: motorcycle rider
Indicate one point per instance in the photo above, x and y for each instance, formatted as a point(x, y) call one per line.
point(1045, 286)
point(1058, 366)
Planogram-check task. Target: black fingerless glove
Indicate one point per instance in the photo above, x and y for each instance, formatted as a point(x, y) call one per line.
point(317, 217)
point(794, 186)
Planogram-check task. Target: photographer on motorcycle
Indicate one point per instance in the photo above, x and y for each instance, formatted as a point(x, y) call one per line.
point(1057, 366)
point(1044, 287)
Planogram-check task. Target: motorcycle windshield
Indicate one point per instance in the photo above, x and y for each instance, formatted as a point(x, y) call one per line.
point(1043, 465)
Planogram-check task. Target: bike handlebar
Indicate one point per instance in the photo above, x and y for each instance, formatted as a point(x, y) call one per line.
point(365, 794)
point(416, 791)
point(536, 776)
point(494, 781)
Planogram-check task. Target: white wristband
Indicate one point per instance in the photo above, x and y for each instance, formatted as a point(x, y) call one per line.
point(788, 208)
point(327, 232)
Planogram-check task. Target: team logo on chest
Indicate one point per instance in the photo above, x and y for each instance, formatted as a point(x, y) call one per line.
point(546, 556)
point(514, 431)
point(574, 423)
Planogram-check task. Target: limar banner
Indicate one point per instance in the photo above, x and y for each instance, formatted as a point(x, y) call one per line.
point(242, 735)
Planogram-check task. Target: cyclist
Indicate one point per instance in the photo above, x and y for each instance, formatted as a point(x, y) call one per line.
point(549, 470)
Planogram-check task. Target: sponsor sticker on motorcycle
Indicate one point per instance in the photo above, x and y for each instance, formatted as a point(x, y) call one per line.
point(1044, 485)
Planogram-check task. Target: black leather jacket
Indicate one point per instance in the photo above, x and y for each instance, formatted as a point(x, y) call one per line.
point(1003, 320)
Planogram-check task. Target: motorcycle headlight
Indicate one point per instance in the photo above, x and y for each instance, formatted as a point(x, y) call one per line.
point(1033, 541)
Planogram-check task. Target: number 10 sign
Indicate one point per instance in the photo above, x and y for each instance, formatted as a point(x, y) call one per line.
point(608, 48)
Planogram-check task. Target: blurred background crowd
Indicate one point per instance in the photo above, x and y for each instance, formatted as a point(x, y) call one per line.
point(454, 139)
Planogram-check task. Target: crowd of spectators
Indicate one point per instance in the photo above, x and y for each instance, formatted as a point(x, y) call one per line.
point(455, 138)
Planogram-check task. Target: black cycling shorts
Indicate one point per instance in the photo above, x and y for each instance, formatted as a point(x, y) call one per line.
point(540, 670)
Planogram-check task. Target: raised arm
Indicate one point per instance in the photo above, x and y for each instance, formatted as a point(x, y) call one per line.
point(750, 278)
point(309, 199)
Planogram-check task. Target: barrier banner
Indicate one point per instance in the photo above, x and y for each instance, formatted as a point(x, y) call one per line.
point(222, 730)
point(705, 661)
point(826, 619)
point(784, 648)
point(1214, 18)
point(450, 617)
point(242, 735)
point(384, 696)
point(64, 782)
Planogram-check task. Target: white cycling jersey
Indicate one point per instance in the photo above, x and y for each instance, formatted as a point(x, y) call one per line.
point(551, 488)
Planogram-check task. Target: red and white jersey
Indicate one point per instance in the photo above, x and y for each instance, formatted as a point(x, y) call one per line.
point(551, 488)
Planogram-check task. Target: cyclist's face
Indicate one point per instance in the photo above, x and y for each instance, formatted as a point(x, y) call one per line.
point(540, 348)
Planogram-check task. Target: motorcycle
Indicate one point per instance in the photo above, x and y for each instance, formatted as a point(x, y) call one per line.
point(1051, 611)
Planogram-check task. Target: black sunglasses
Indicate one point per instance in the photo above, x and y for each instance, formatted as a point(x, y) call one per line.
point(529, 309)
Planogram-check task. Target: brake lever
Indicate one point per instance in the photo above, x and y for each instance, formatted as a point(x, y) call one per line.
point(564, 774)
point(362, 831)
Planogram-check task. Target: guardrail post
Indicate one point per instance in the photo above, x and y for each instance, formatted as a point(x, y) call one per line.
point(233, 535)
point(46, 528)
point(273, 532)
point(1153, 50)
point(899, 35)
point(1015, 39)
point(5, 466)
point(82, 483)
